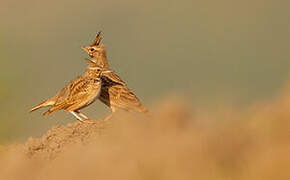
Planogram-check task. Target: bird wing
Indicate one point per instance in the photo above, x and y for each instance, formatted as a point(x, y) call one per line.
point(84, 93)
point(125, 97)
point(78, 93)
point(112, 78)
point(65, 92)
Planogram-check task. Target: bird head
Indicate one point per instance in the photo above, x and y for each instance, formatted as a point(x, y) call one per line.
point(93, 66)
point(95, 48)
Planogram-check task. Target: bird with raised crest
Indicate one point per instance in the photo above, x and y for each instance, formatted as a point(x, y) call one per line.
point(114, 91)
point(78, 93)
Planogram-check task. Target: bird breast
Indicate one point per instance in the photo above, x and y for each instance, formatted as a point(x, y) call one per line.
point(96, 92)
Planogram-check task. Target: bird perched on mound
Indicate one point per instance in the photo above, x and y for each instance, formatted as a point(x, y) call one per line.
point(78, 93)
point(114, 91)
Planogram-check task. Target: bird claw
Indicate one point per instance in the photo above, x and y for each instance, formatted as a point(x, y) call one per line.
point(90, 121)
point(87, 121)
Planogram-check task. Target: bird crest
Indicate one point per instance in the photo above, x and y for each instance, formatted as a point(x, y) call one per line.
point(97, 40)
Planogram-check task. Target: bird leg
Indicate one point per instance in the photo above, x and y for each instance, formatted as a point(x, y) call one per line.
point(79, 118)
point(82, 115)
point(111, 114)
point(85, 118)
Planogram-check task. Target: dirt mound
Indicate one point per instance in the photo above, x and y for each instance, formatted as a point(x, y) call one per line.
point(177, 143)
point(59, 138)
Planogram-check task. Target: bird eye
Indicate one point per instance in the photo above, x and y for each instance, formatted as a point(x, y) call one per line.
point(92, 49)
point(98, 70)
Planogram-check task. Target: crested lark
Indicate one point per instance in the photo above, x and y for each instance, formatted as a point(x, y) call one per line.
point(114, 91)
point(77, 94)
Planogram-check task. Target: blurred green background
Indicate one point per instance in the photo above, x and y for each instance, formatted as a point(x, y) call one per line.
point(211, 52)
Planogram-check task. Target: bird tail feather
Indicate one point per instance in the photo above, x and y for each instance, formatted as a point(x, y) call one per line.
point(43, 104)
point(144, 110)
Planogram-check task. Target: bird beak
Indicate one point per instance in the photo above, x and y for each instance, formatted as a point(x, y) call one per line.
point(107, 71)
point(84, 48)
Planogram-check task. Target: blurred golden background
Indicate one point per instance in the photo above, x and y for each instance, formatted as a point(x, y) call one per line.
point(215, 75)
point(212, 53)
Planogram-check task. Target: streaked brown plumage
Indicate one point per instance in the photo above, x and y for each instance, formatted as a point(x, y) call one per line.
point(77, 94)
point(114, 91)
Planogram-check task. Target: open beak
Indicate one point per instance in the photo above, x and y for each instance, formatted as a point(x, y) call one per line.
point(84, 48)
point(107, 71)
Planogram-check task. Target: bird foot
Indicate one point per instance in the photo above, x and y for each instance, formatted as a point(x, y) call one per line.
point(90, 121)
